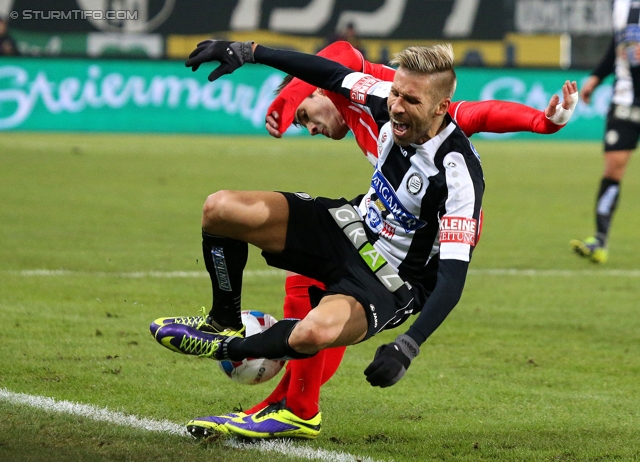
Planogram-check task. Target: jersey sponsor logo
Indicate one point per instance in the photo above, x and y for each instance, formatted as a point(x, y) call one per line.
point(360, 88)
point(388, 197)
point(414, 183)
point(220, 265)
point(372, 257)
point(459, 230)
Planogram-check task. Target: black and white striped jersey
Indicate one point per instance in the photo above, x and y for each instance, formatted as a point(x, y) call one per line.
point(626, 28)
point(424, 206)
point(424, 200)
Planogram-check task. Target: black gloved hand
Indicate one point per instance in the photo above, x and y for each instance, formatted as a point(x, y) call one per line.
point(391, 361)
point(231, 55)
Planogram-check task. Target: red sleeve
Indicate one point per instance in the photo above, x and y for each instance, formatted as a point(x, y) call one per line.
point(500, 117)
point(293, 94)
point(379, 71)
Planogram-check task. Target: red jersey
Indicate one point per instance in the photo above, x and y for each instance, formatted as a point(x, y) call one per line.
point(472, 117)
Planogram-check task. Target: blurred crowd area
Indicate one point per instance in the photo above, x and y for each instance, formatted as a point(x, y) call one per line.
point(493, 33)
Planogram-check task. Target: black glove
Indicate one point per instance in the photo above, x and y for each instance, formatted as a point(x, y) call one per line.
point(231, 55)
point(391, 361)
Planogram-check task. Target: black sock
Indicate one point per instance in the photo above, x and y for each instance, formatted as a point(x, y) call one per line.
point(273, 343)
point(225, 259)
point(605, 206)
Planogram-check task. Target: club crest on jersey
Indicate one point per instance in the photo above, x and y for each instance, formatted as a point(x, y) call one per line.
point(414, 183)
point(359, 90)
point(390, 200)
point(460, 230)
point(374, 220)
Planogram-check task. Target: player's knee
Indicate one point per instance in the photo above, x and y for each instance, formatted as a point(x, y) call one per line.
point(309, 336)
point(217, 208)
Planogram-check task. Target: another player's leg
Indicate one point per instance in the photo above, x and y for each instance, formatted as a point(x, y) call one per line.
point(297, 415)
point(595, 247)
point(340, 320)
point(296, 412)
point(296, 306)
point(298, 391)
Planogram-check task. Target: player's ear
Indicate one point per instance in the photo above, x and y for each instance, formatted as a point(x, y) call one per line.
point(443, 107)
point(319, 91)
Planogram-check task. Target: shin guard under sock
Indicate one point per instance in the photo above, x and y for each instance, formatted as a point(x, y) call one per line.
point(296, 306)
point(225, 259)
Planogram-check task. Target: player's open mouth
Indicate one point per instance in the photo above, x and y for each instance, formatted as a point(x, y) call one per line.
point(399, 130)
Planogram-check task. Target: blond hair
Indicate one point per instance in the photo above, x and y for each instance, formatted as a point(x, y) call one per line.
point(433, 60)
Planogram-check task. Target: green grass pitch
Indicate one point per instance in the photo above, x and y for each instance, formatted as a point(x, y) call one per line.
point(539, 361)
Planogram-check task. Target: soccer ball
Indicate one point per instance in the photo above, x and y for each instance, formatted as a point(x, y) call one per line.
point(253, 370)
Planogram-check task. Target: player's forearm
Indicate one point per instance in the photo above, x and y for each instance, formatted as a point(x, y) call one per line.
point(313, 69)
point(451, 278)
point(502, 117)
point(517, 117)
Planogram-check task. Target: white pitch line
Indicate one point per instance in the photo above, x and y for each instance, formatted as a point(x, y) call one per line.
point(285, 446)
point(554, 272)
point(92, 412)
point(280, 273)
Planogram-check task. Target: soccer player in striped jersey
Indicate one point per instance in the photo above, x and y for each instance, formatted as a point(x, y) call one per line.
point(406, 244)
point(623, 122)
point(308, 375)
point(333, 116)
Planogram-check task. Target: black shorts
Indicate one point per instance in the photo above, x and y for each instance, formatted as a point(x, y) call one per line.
point(623, 128)
point(316, 247)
